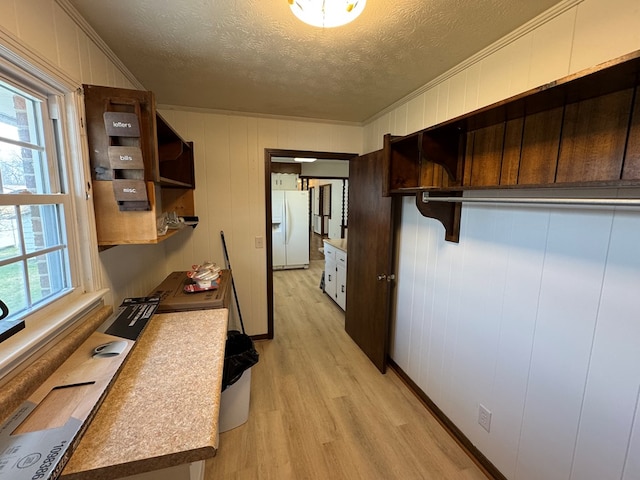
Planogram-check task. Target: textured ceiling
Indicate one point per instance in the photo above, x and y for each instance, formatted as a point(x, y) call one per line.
point(255, 56)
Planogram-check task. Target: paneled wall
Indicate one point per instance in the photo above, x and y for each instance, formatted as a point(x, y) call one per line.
point(230, 192)
point(534, 313)
point(47, 35)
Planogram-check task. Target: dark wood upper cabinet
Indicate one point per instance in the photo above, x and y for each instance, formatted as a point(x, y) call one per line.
point(168, 159)
point(141, 169)
point(580, 131)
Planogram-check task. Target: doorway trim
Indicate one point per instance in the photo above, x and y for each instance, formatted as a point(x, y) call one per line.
point(269, 153)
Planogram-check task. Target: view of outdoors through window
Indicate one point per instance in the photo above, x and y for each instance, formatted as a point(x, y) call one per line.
point(33, 250)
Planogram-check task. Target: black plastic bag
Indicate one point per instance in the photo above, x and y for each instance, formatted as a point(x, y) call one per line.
point(239, 355)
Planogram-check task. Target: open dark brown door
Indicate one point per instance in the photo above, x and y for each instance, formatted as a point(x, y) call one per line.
point(369, 259)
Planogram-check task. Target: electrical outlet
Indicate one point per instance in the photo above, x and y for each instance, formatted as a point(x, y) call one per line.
point(484, 417)
point(259, 241)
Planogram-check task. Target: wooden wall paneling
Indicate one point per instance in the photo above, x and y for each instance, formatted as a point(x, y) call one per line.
point(415, 113)
point(254, 306)
point(541, 141)
point(199, 246)
point(482, 282)
point(467, 163)
point(631, 169)
point(611, 393)
point(405, 163)
point(430, 347)
point(37, 27)
point(8, 16)
point(440, 348)
point(421, 319)
point(446, 181)
point(217, 198)
point(512, 151)
point(239, 238)
point(487, 155)
point(569, 294)
point(632, 463)
point(405, 292)
point(99, 65)
point(525, 253)
point(427, 174)
point(457, 87)
point(552, 49)
point(603, 30)
point(594, 134)
point(68, 48)
point(443, 148)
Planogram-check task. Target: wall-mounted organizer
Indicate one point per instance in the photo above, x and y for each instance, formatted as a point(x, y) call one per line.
point(141, 168)
point(582, 131)
point(127, 167)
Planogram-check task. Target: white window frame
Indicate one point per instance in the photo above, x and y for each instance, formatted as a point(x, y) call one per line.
point(48, 324)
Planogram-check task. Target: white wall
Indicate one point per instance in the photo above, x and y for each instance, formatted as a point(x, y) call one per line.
point(333, 225)
point(534, 313)
point(230, 192)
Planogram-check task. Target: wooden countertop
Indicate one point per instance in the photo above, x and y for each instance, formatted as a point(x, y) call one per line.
point(163, 408)
point(339, 243)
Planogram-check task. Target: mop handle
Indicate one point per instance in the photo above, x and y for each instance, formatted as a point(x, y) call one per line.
point(233, 284)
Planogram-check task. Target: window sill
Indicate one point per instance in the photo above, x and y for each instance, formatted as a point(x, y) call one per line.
point(42, 328)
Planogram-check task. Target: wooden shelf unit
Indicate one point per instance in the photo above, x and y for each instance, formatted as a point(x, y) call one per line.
point(167, 173)
point(580, 131)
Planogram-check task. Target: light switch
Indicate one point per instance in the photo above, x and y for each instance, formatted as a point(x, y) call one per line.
point(259, 242)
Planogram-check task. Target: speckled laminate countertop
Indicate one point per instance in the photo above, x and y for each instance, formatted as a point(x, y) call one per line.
point(339, 243)
point(163, 408)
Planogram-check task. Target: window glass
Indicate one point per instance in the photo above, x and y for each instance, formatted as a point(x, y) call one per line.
point(23, 166)
point(34, 257)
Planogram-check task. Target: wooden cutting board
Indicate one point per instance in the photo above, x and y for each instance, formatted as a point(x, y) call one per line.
point(38, 439)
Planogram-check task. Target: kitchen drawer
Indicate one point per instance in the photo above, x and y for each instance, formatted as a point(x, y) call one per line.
point(341, 258)
point(329, 252)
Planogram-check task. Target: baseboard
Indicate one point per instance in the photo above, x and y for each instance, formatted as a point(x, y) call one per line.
point(264, 336)
point(483, 462)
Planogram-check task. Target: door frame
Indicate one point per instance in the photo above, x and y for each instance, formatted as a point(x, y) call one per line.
point(269, 153)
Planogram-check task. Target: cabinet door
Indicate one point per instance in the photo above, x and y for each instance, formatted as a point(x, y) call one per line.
point(341, 286)
point(330, 281)
point(289, 181)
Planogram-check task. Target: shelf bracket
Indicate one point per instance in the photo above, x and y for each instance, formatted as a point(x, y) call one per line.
point(446, 213)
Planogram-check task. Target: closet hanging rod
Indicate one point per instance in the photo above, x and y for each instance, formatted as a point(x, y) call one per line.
point(583, 202)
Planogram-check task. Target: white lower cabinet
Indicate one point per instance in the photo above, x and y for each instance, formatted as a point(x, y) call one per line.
point(335, 274)
point(341, 286)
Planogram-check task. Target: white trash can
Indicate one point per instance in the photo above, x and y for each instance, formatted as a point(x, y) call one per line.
point(234, 403)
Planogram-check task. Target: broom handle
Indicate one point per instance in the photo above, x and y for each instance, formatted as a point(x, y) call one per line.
point(233, 284)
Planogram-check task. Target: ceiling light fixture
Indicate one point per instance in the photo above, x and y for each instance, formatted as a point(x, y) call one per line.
point(327, 13)
point(304, 160)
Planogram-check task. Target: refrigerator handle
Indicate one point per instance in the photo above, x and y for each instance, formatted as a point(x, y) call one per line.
point(287, 225)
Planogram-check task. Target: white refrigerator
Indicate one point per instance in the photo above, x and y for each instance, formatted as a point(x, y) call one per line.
point(290, 228)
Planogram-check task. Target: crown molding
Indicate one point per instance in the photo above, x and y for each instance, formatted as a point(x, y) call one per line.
point(80, 21)
point(269, 116)
point(516, 34)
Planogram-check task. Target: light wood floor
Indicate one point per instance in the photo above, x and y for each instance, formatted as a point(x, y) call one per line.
point(321, 410)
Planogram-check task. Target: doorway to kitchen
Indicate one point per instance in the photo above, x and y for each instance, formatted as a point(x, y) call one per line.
point(311, 178)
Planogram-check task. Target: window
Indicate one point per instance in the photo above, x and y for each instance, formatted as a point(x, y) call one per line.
point(34, 256)
point(49, 264)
